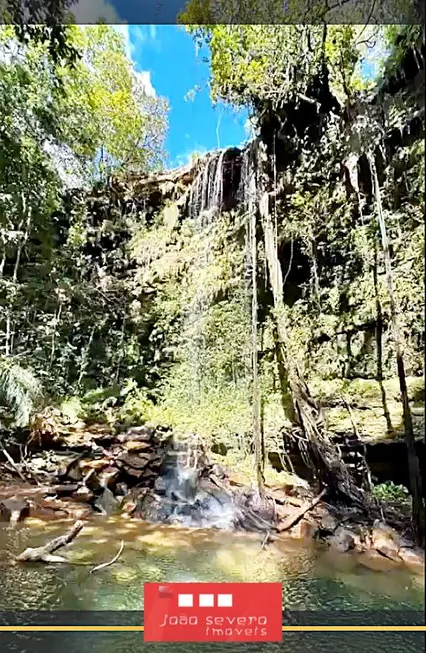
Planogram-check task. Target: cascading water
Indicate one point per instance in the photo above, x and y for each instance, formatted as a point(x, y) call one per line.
point(205, 201)
point(206, 194)
point(187, 497)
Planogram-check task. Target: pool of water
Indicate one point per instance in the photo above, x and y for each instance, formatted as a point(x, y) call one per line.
point(313, 577)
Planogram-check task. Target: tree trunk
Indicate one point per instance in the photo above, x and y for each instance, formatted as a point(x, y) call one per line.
point(379, 347)
point(413, 461)
point(325, 458)
point(257, 433)
point(286, 402)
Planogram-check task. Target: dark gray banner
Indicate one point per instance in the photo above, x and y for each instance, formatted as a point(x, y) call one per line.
point(166, 12)
point(341, 642)
point(135, 618)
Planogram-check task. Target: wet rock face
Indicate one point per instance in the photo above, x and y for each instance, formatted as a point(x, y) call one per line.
point(343, 540)
point(386, 540)
point(184, 494)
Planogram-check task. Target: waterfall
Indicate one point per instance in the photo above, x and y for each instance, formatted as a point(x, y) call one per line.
point(205, 201)
point(191, 501)
point(206, 193)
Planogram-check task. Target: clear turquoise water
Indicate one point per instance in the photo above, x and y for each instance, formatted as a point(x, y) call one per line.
point(313, 578)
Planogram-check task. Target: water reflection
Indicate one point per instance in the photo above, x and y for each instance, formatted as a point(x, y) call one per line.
point(312, 576)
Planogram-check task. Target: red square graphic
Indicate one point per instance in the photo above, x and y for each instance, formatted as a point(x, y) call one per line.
point(213, 612)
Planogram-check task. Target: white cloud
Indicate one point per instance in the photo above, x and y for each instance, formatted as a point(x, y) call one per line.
point(131, 45)
point(186, 158)
point(144, 76)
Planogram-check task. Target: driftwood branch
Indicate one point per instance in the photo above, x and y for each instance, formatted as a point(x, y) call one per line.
point(13, 464)
point(111, 562)
point(291, 520)
point(44, 553)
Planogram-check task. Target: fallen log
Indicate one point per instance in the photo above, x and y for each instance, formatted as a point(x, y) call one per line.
point(44, 553)
point(291, 520)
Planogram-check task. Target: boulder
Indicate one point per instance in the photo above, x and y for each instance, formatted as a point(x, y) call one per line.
point(342, 540)
point(14, 509)
point(67, 505)
point(385, 540)
point(136, 434)
point(375, 561)
point(328, 523)
point(136, 445)
point(107, 504)
point(304, 529)
point(412, 556)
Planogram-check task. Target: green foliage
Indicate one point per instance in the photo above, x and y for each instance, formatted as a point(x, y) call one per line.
point(398, 39)
point(279, 64)
point(107, 97)
point(64, 304)
point(19, 392)
point(138, 312)
point(391, 492)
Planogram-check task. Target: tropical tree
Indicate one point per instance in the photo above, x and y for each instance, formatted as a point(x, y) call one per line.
point(62, 125)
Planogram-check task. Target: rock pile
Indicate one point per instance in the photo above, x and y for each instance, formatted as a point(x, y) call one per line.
point(104, 471)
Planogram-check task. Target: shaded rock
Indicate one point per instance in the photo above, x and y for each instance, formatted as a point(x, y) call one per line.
point(121, 488)
point(304, 529)
point(219, 448)
point(136, 461)
point(107, 504)
point(69, 468)
point(62, 490)
point(134, 473)
point(14, 509)
point(328, 523)
point(385, 540)
point(108, 477)
point(83, 494)
point(342, 540)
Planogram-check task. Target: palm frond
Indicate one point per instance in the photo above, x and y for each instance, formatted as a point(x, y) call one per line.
point(19, 391)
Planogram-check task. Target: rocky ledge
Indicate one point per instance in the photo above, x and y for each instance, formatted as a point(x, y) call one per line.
point(141, 472)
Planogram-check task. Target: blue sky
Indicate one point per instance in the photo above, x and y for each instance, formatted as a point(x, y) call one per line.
point(178, 73)
point(166, 56)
